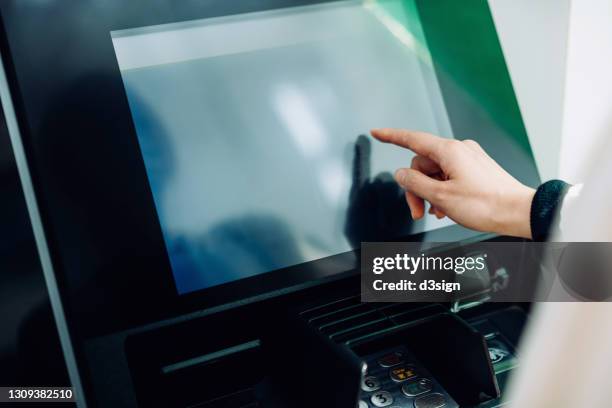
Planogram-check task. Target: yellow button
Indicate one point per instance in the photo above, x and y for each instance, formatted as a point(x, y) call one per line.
point(403, 373)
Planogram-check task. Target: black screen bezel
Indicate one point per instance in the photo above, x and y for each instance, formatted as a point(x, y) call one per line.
point(135, 284)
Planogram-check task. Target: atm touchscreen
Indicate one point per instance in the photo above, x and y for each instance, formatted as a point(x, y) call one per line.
point(250, 126)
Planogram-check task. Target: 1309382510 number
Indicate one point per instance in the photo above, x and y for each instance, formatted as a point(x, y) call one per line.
point(8, 394)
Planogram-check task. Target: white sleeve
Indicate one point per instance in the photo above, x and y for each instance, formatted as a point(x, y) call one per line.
point(567, 207)
point(566, 359)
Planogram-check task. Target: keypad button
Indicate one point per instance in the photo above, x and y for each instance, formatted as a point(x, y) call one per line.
point(402, 373)
point(392, 359)
point(382, 399)
point(430, 401)
point(370, 384)
point(363, 404)
point(417, 387)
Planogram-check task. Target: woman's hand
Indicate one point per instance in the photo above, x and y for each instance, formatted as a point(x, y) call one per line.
point(462, 182)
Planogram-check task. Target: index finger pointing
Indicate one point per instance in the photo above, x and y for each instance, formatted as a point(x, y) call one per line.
point(424, 144)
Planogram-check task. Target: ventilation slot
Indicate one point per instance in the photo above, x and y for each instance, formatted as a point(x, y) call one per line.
point(348, 319)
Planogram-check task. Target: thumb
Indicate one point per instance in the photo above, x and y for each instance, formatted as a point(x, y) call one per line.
point(418, 183)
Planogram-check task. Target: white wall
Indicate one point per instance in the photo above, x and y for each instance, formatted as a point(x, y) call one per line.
point(587, 126)
point(533, 35)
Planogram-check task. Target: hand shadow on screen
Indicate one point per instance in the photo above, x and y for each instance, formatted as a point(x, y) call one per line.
point(377, 209)
point(116, 256)
point(235, 248)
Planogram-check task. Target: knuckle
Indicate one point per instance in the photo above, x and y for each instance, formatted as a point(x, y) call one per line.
point(454, 147)
point(474, 145)
point(454, 144)
point(440, 195)
point(402, 177)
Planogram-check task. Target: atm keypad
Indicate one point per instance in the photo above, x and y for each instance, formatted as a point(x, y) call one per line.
point(396, 380)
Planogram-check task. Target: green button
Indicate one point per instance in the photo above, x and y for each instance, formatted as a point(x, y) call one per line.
point(414, 388)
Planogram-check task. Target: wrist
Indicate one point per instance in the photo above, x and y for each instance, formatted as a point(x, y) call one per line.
point(515, 213)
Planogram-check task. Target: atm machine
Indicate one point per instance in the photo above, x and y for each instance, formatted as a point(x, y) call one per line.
point(199, 179)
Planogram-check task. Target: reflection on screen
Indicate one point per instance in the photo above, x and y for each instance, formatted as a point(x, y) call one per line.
point(250, 127)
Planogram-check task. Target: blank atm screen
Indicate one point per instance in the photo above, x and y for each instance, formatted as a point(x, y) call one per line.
point(249, 127)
